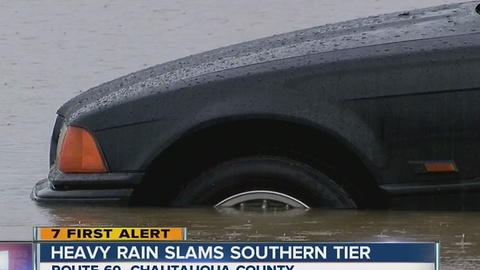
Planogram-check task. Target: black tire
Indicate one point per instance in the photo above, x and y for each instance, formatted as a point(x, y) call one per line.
point(276, 174)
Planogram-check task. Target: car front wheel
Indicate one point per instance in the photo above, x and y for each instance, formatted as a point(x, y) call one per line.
point(264, 181)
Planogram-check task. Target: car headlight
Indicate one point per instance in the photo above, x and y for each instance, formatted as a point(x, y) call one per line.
point(78, 152)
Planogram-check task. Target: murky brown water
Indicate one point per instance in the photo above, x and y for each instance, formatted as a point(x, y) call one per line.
point(51, 50)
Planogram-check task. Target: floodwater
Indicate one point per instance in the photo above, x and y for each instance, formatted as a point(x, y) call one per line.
point(51, 50)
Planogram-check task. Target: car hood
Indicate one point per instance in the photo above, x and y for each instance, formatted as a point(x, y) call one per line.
point(446, 20)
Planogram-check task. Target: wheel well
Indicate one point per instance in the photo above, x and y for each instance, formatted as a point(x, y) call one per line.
point(184, 160)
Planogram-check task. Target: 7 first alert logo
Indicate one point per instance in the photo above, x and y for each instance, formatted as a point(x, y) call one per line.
point(110, 234)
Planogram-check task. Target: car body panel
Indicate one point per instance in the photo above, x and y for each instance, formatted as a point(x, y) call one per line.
point(276, 53)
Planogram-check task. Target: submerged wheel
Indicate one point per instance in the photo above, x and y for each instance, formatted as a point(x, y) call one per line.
point(264, 181)
point(263, 198)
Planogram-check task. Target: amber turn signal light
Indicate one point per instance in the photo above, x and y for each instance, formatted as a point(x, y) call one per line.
point(79, 152)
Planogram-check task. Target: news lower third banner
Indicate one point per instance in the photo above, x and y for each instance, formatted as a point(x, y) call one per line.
point(235, 256)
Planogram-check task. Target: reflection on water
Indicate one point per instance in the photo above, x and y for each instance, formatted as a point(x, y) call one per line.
point(51, 50)
point(294, 224)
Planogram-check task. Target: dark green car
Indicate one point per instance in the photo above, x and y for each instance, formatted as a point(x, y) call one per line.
point(381, 112)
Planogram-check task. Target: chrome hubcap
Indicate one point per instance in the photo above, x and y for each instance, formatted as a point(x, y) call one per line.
point(262, 198)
